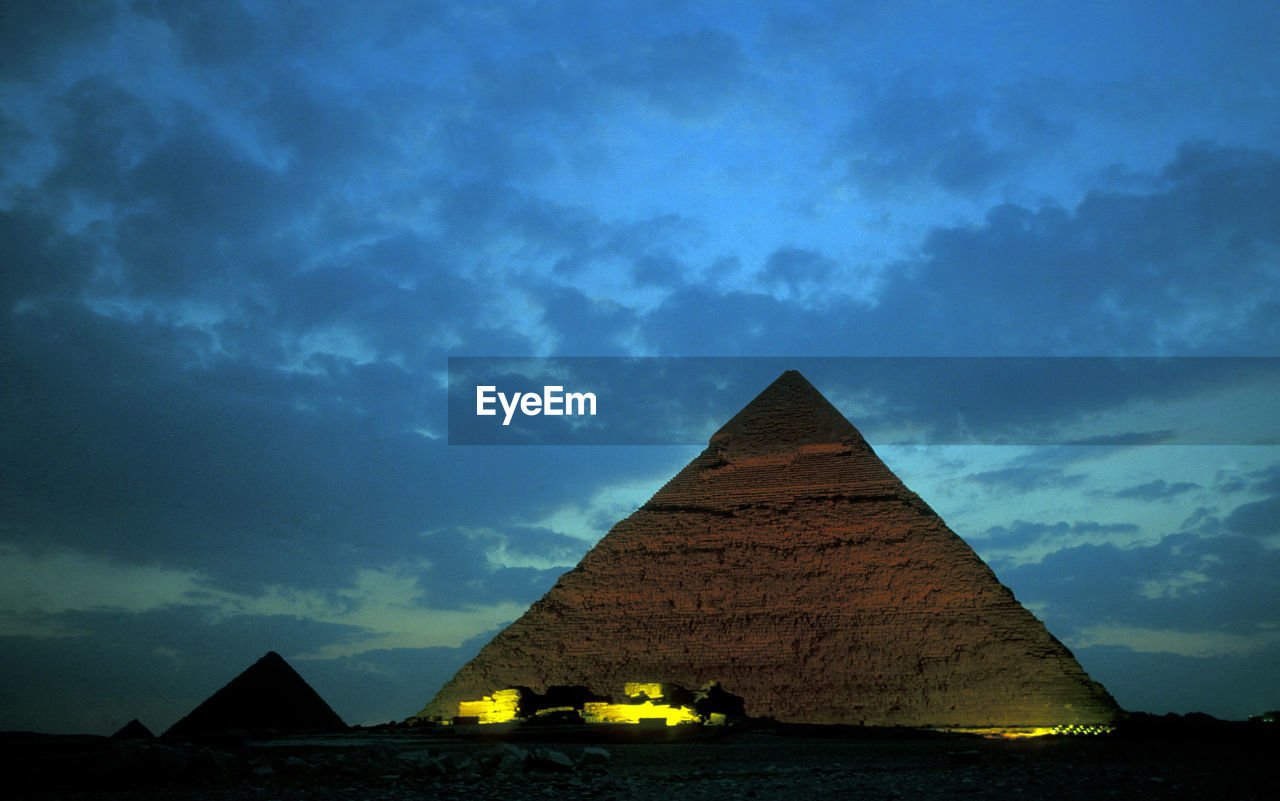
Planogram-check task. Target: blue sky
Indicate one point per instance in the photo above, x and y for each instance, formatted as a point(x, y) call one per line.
point(241, 241)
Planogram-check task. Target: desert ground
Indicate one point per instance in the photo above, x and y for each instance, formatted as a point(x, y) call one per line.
point(756, 762)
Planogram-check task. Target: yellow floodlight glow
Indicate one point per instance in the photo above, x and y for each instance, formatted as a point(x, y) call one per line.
point(602, 712)
point(502, 707)
point(497, 708)
point(1022, 732)
point(650, 689)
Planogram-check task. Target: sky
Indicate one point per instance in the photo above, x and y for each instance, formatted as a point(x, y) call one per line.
point(241, 242)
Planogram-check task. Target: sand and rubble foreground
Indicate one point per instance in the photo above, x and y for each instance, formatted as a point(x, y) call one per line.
point(756, 763)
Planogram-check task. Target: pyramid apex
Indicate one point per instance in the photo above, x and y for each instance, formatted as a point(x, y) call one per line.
point(789, 412)
point(269, 695)
point(133, 730)
point(271, 663)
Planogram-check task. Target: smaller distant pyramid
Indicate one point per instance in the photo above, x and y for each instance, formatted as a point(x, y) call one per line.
point(133, 730)
point(269, 696)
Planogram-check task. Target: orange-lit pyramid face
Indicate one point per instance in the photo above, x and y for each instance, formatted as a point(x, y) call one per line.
point(788, 563)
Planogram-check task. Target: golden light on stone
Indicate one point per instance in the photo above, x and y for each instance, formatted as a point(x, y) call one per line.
point(1023, 732)
point(602, 712)
point(649, 689)
point(642, 707)
point(500, 707)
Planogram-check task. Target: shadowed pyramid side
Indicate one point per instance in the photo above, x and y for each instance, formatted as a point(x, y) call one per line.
point(269, 696)
point(790, 564)
point(133, 730)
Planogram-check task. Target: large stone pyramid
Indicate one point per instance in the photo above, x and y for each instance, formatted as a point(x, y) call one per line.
point(269, 696)
point(788, 563)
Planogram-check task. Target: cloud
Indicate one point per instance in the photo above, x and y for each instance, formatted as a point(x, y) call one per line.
point(1034, 282)
point(685, 74)
point(1258, 518)
point(1184, 269)
point(470, 567)
point(1127, 438)
point(159, 664)
point(590, 519)
point(35, 33)
point(1027, 478)
point(1023, 540)
point(380, 608)
point(1266, 480)
point(1156, 490)
point(1199, 644)
point(43, 585)
point(1183, 582)
point(696, 321)
point(797, 273)
point(957, 132)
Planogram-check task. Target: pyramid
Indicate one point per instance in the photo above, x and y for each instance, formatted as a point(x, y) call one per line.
point(789, 564)
point(133, 730)
point(268, 697)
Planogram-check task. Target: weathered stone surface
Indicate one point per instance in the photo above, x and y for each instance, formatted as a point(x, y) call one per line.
point(594, 758)
point(269, 696)
point(549, 761)
point(791, 565)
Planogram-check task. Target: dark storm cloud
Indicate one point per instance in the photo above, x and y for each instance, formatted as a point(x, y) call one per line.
point(147, 437)
point(1258, 519)
point(960, 132)
point(698, 321)
point(1158, 490)
point(686, 74)
point(1266, 480)
point(1201, 578)
point(1203, 520)
point(107, 130)
point(202, 183)
point(33, 32)
point(1185, 583)
point(187, 176)
point(1031, 535)
point(41, 260)
point(1186, 267)
point(256, 474)
point(1128, 438)
point(397, 295)
point(796, 272)
point(211, 472)
point(1027, 478)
